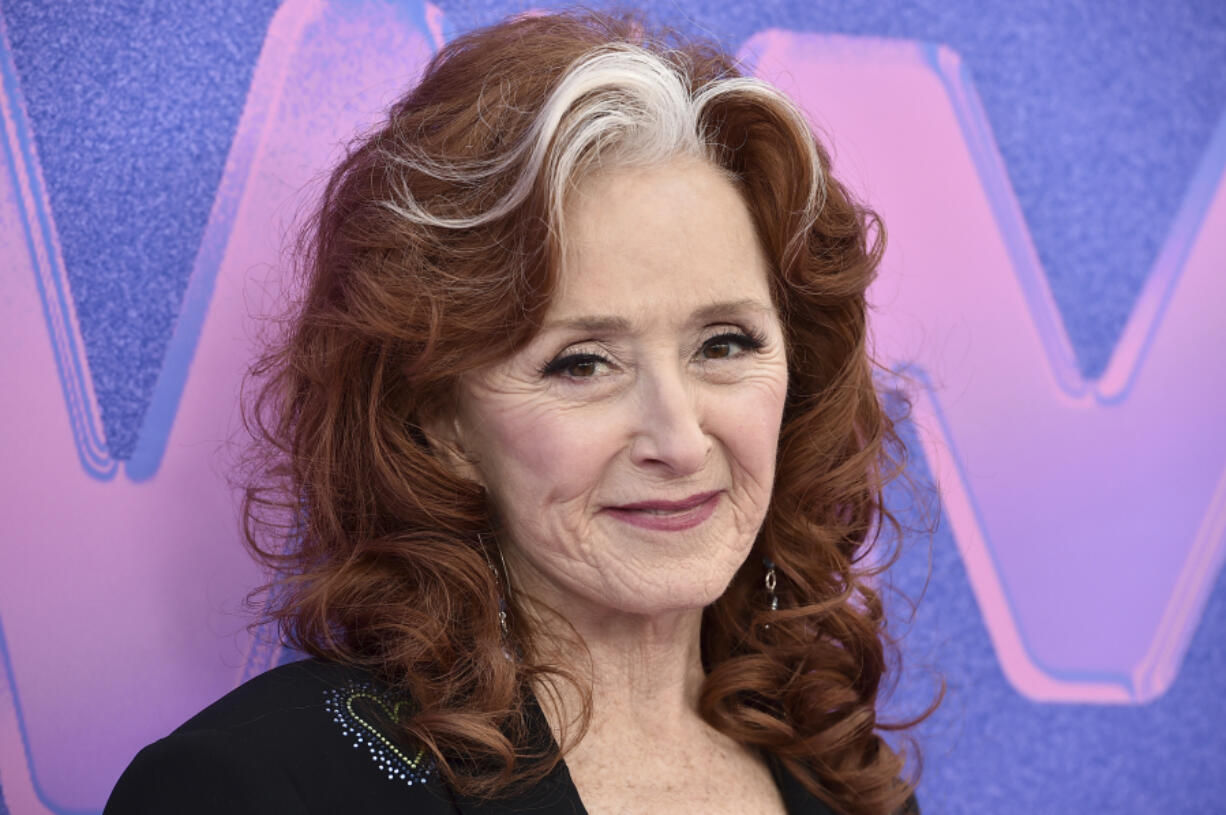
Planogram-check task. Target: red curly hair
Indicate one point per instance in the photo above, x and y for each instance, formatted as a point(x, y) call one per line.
point(435, 252)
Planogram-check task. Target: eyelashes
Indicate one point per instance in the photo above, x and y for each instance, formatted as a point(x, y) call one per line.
point(750, 340)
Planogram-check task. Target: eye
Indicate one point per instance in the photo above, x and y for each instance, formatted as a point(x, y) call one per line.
point(574, 366)
point(725, 345)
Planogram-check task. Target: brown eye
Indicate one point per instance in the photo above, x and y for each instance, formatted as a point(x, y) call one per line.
point(575, 366)
point(730, 344)
point(582, 369)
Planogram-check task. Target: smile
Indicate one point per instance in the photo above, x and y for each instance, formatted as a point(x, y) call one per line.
point(653, 515)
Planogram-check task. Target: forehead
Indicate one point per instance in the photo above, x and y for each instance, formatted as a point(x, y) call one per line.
point(672, 237)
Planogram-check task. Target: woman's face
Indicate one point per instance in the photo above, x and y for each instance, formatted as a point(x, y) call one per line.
point(659, 375)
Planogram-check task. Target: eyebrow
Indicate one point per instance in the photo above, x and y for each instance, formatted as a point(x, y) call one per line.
point(610, 324)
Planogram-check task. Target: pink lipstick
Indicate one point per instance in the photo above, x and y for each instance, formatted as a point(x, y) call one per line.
point(668, 516)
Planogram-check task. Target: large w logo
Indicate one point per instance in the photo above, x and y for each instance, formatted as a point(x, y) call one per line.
point(1090, 515)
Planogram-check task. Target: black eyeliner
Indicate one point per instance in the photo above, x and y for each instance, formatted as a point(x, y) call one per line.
point(562, 363)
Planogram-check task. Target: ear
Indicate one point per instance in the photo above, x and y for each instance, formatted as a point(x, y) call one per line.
point(446, 438)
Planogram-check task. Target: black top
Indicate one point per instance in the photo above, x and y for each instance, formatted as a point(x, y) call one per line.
point(309, 737)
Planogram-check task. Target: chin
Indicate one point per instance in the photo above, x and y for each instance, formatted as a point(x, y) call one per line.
point(658, 599)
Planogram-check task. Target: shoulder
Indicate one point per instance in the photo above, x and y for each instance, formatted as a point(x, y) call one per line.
point(305, 737)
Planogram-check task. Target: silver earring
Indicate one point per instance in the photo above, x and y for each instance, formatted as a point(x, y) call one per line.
point(771, 581)
point(503, 581)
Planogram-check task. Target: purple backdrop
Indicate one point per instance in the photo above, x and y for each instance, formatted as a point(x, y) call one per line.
point(155, 164)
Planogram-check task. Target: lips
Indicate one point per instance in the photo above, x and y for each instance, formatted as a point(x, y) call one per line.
point(668, 516)
point(671, 506)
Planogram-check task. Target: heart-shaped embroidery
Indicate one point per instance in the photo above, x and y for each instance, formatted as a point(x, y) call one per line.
point(356, 708)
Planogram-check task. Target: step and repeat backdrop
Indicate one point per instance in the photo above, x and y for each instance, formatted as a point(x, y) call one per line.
point(1051, 179)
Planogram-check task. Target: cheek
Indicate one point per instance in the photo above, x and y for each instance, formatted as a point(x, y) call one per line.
point(542, 456)
point(752, 436)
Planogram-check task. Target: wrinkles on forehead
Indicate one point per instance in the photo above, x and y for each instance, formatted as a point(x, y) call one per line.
point(612, 324)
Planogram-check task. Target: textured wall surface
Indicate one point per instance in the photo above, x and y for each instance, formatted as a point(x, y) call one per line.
point(1052, 180)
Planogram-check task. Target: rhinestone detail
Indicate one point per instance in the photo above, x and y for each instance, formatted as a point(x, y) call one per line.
point(342, 705)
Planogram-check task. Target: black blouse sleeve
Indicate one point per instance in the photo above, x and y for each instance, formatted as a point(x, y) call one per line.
point(307, 738)
point(199, 772)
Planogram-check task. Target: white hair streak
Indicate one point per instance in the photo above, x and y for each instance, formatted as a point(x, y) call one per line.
point(619, 104)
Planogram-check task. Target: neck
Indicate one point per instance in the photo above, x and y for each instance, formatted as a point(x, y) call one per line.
point(644, 672)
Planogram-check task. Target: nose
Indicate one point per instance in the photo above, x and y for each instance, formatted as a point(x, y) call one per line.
point(668, 424)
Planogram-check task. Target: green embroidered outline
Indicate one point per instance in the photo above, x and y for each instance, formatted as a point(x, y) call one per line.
point(393, 714)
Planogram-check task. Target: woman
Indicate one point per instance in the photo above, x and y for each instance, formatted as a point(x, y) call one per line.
point(573, 449)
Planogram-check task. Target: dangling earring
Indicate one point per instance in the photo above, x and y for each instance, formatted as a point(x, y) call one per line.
point(502, 596)
point(770, 581)
point(503, 581)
